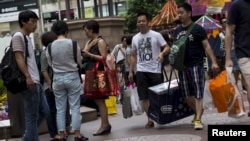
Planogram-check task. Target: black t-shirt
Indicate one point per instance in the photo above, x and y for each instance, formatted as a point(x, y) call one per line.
point(195, 52)
point(239, 16)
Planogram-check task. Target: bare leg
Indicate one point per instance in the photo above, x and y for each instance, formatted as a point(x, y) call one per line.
point(191, 102)
point(103, 114)
point(150, 122)
point(199, 108)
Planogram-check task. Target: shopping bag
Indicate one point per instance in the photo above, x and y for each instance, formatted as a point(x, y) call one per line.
point(126, 104)
point(101, 83)
point(167, 103)
point(233, 96)
point(111, 105)
point(207, 97)
point(218, 91)
point(136, 104)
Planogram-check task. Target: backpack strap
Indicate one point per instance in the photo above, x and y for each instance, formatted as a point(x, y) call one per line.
point(49, 50)
point(74, 43)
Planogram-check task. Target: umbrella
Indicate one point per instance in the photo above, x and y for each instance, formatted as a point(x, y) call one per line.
point(167, 14)
point(208, 23)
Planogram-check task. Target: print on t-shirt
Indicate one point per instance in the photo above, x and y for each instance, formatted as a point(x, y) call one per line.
point(145, 49)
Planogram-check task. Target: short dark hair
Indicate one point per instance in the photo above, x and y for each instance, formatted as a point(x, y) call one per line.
point(185, 6)
point(93, 25)
point(60, 28)
point(123, 37)
point(144, 14)
point(25, 16)
point(48, 37)
point(129, 40)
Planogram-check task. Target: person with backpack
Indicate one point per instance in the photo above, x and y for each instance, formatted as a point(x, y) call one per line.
point(35, 105)
point(64, 57)
point(47, 38)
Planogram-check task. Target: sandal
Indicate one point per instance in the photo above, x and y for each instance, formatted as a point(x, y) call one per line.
point(82, 138)
point(150, 124)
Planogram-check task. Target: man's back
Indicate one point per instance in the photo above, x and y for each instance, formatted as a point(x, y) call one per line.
point(238, 16)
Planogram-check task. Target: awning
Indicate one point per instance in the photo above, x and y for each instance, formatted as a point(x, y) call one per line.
point(226, 6)
point(198, 10)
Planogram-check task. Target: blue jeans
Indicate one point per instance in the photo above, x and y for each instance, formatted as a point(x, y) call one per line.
point(51, 119)
point(67, 86)
point(36, 110)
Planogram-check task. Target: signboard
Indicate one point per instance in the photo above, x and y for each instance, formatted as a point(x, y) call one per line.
point(10, 17)
point(8, 6)
point(9, 9)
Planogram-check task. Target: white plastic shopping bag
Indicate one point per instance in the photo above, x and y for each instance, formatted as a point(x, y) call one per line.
point(207, 97)
point(136, 104)
point(233, 97)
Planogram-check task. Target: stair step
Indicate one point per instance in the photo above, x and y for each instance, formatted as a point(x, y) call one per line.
point(88, 114)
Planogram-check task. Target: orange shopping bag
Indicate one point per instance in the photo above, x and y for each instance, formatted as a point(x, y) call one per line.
point(218, 91)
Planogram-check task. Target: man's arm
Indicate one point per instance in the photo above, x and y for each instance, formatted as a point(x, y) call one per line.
point(132, 59)
point(228, 43)
point(211, 55)
point(23, 68)
point(164, 52)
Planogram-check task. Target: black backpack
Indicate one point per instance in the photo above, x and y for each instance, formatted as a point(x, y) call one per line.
point(13, 78)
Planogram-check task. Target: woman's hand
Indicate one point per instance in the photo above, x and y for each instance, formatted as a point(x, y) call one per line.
point(85, 53)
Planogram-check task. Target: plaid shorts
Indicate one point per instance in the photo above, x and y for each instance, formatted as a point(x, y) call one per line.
point(192, 81)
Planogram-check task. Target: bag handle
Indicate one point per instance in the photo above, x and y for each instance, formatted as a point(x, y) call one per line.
point(104, 63)
point(170, 78)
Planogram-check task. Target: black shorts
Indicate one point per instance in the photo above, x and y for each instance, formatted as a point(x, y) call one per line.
point(145, 80)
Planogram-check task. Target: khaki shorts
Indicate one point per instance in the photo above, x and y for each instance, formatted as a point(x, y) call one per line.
point(244, 64)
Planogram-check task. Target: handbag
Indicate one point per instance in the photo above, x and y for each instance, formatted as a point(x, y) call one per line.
point(167, 103)
point(101, 83)
point(177, 51)
point(13, 78)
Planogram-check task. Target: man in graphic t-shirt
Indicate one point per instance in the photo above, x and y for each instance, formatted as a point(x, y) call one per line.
point(146, 46)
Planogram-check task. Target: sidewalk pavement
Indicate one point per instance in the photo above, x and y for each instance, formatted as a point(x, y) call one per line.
point(132, 129)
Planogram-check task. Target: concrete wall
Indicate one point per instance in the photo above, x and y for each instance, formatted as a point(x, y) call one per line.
point(111, 28)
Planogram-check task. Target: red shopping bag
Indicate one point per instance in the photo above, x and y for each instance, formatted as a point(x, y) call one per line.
point(101, 83)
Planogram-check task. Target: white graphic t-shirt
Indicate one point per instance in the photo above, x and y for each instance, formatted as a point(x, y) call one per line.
point(148, 47)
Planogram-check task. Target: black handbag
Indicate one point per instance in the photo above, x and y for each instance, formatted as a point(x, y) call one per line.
point(13, 78)
point(167, 104)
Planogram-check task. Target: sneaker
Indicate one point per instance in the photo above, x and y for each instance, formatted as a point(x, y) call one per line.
point(198, 125)
point(193, 119)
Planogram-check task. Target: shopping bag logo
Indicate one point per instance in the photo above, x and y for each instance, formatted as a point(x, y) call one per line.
point(99, 81)
point(166, 109)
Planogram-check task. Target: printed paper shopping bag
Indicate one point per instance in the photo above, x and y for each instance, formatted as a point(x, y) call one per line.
point(218, 91)
point(233, 96)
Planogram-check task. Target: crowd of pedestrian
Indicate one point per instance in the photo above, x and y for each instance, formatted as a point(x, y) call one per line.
point(138, 59)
